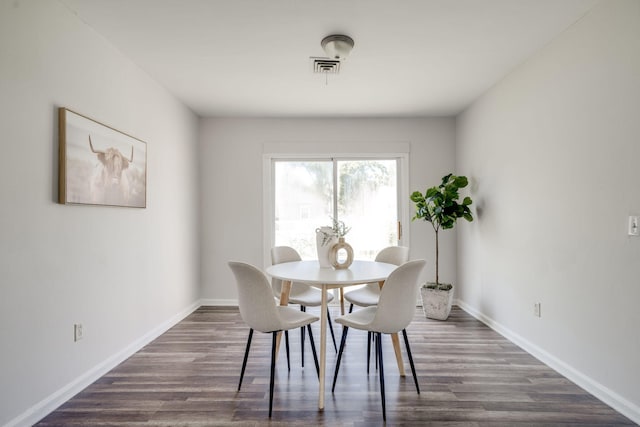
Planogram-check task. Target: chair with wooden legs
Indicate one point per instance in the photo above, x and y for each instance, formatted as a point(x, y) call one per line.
point(369, 294)
point(301, 293)
point(259, 310)
point(395, 310)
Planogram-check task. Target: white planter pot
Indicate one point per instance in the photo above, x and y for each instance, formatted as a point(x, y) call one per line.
point(323, 250)
point(436, 303)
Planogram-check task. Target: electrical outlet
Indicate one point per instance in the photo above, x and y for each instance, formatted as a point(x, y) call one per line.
point(77, 332)
point(634, 226)
point(536, 309)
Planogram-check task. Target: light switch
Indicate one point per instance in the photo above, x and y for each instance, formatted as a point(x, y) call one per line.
point(634, 225)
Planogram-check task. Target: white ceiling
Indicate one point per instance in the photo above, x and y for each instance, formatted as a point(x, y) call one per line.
point(251, 57)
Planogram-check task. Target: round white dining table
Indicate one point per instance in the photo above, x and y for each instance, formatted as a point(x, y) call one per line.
point(310, 272)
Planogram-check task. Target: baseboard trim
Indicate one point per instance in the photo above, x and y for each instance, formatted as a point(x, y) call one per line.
point(608, 396)
point(53, 401)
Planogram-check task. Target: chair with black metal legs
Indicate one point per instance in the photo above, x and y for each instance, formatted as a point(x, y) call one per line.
point(301, 293)
point(395, 310)
point(259, 310)
point(369, 294)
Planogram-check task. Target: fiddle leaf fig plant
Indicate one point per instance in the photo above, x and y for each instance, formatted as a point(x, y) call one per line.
point(439, 206)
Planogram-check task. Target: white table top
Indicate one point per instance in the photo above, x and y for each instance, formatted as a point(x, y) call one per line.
point(310, 272)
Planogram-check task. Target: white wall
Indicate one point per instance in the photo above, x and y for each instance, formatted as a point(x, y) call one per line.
point(231, 183)
point(123, 273)
point(553, 154)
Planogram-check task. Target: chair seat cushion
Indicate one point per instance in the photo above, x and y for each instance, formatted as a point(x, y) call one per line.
point(307, 296)
point(365, 296)
point(359, 319)
point(292, 318)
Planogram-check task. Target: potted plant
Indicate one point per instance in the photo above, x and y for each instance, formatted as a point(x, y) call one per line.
point(439, 206)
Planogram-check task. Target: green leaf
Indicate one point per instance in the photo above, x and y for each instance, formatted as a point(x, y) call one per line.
point(431, 192)
point(417, 196)
point(461, 181)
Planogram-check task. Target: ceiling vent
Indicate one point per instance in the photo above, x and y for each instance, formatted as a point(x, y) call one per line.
point(325, 65)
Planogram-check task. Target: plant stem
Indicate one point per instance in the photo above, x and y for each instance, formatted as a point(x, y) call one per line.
point(437, 254)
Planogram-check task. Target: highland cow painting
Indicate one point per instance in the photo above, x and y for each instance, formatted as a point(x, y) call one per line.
point(100, 165)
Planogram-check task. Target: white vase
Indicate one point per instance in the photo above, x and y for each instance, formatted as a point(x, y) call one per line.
point(323, 250)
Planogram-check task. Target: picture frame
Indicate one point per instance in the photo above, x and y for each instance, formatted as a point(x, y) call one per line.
point(99, 165)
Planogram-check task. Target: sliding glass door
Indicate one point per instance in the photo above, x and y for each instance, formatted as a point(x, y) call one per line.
point(363, 193)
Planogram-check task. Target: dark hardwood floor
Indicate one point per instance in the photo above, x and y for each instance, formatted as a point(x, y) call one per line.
point(469, 376)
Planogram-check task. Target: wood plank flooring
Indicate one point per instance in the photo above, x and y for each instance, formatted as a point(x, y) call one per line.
point(469, 376)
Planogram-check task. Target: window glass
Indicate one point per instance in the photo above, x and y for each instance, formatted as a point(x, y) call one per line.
point(365, 194)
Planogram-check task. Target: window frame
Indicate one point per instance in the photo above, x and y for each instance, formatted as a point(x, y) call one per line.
point(269, 158)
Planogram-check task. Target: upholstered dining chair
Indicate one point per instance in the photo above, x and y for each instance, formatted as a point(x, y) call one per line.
point(259, 310)
point(301, 293)
point(395, 310)
point(368, 295)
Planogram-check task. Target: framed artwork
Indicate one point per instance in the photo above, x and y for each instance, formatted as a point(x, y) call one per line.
point(100, 165)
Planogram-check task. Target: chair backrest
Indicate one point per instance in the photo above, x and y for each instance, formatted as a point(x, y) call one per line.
point(280, 254)
point(255, 300)
point(397, 255)
point(397, 303)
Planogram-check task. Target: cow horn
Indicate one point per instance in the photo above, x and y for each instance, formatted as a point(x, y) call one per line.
point(91, 145)
point(131, 159)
